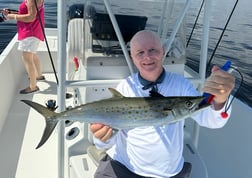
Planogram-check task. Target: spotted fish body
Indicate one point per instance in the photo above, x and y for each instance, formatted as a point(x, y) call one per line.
point(121, 112)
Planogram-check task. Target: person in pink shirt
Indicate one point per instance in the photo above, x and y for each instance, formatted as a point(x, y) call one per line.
point(30, 26)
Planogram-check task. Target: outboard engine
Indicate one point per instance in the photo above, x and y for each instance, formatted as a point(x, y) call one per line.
point(76, 11)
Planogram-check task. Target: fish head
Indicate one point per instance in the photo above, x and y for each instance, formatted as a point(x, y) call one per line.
point(199, 106)
point(189, 105)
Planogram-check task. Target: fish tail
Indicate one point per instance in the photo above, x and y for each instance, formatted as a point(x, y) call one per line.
point(50, 118)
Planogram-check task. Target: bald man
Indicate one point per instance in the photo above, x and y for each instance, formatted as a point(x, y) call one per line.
point(156, 151)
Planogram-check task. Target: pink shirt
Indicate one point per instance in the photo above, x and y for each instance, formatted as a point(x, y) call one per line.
point(30, 29)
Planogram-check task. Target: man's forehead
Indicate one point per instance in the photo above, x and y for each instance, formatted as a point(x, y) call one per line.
point(145, 36)
point(145, 40)
point(146, 43)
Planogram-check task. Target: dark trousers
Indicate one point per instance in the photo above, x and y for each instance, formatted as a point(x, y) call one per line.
point(109, 168)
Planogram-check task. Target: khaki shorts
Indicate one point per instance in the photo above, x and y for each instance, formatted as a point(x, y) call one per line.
point(109, 168)
point(29, 44)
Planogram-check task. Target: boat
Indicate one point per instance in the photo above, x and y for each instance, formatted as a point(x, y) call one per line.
point(89, 50)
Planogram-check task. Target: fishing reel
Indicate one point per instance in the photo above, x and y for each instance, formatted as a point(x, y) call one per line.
point(3, 17)
point(51, 104)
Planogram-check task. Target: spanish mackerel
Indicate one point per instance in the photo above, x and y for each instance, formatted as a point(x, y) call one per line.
point(121, 112)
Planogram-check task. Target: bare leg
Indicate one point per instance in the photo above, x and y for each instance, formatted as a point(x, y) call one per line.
point(30, 68)
point(37, 65)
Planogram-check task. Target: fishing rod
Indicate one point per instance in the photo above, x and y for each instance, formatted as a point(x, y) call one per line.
point(195, 23)
point(68, 95)
point(224, 29)
point(228, 67)
point(222, 33)
point(12, 11)
point(47, 46)
point(3, 16)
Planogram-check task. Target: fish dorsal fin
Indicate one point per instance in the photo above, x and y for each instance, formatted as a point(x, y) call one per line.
point(155, 94)
point(115, 93)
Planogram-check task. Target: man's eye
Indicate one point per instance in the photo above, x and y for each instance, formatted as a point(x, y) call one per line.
point(140, 53)
point(153, 51)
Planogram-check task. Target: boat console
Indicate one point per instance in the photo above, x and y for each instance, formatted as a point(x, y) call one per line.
point(102, 29)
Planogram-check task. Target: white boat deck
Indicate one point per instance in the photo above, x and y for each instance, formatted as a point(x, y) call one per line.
point(23, 129)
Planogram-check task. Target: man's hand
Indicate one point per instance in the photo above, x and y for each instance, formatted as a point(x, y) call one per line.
point(220, 84)
point(101, 132)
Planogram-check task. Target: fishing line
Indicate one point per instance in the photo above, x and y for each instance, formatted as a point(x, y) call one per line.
point(47, 46)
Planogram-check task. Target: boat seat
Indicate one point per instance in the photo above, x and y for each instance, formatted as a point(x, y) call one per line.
point(75, 38)
point(95, 154)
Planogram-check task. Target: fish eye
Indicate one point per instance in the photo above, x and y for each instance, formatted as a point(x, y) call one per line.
point(188, 104)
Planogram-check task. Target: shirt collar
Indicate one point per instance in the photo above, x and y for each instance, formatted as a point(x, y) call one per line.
point(148, 84)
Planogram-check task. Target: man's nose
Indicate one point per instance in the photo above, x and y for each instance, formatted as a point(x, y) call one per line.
point(147, 55)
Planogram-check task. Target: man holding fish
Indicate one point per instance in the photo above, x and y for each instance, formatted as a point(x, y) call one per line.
point(156, 151)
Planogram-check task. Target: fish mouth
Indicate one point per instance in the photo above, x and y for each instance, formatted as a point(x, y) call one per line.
point(198, 104)
point(202, 106)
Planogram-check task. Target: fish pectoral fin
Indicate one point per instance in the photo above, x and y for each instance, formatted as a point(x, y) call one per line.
point(167, 109)
point(115, 93)
point(166, 112)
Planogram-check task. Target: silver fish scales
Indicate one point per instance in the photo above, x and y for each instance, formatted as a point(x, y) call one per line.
point(121, 112)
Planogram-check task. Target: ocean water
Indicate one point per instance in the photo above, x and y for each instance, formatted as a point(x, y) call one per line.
point(236, 44)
